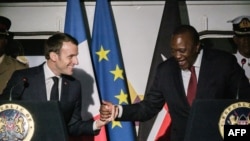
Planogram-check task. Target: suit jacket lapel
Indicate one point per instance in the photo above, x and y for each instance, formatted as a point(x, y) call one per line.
point(206, 70)
point(178, 82)
point(179, 85)
point(42, 94)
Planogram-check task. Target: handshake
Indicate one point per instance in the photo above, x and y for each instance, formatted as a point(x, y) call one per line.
point(108, 113)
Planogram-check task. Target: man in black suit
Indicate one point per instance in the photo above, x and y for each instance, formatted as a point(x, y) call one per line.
point(218, 76)
point(61, 52)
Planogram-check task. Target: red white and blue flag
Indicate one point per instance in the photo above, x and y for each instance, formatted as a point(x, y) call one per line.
point(75, 26)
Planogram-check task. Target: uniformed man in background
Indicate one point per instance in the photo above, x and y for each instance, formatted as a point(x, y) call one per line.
point(8, 64)
point(241, 28)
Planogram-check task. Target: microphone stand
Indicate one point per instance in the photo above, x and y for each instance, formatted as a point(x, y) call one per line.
point(25, 84)
point(10, 98)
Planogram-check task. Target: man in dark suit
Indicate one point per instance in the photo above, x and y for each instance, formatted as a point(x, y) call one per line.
point(61, 53)
point(218, 76)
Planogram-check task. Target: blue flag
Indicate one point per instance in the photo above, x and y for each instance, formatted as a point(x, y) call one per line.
point(109, 68)
point(75, 26)
point(74, 23)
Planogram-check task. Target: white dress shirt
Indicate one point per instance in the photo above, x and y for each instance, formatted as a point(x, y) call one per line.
point(245, 66)
point(49, 81)
point(186, 74)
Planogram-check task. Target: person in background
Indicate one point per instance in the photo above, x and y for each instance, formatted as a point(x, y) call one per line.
point(53, 80)
point(15, 50)
point(241, 28)
point(193, 72)
point(8, 64)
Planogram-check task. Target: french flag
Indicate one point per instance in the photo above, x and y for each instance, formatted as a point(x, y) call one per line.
point(75, 26)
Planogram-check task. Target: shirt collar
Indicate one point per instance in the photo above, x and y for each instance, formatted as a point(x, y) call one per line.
point(197, 62)
point(239, 56)
point(48, 72)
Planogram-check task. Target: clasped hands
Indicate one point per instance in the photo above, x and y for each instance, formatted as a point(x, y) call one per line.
point(108, 112)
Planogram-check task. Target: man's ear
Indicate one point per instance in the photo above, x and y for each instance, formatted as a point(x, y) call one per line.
point(198, 46)
point(53, 56)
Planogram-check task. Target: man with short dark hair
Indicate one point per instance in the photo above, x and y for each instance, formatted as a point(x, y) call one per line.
point(61, 51)
point(194, 72)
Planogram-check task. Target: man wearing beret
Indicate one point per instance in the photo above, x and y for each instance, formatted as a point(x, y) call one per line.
point(7, 64)
point(241, 28)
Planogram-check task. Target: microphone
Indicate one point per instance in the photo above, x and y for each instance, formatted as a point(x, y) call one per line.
point(24, 81)
point(243, 62)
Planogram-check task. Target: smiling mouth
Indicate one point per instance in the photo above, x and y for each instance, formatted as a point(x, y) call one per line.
point(181, 63)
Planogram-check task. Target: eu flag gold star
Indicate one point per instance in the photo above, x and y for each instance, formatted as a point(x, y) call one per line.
point(117, 73)
point(116, 123)
point(103, 54)
point(122, 97)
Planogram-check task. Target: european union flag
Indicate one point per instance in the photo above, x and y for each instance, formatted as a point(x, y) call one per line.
point(109, 68)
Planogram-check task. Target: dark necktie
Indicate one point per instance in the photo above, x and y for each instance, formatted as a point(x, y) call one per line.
point(54, 95)
point(192, 86)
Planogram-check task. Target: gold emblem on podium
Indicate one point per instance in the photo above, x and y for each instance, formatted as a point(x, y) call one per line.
point(235, 114)
point(16, 123)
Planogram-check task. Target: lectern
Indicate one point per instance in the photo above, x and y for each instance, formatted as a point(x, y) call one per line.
point(32, 121)
point(207, 118)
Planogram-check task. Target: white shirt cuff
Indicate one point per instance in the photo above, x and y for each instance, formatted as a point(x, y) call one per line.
point(94, 126)
point(120, 111)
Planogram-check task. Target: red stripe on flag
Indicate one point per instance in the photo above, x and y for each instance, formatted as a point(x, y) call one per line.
point(102, 134)
point(165, 125)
